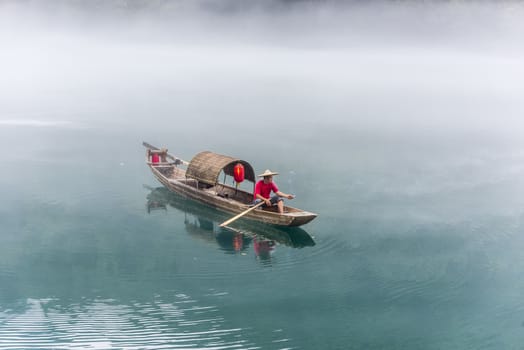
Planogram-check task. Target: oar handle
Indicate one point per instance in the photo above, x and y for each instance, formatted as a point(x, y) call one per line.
point(241, 214)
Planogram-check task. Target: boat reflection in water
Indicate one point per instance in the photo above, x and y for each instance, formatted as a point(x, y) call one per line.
point(203, 223)
point(155, 205)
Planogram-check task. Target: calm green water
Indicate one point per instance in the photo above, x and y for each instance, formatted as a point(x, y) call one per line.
point(95, 254)
point(411, 154)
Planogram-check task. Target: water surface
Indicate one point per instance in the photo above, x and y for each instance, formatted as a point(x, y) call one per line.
point(410, 152)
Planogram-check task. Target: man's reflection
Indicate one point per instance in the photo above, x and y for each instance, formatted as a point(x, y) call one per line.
point(263, 248)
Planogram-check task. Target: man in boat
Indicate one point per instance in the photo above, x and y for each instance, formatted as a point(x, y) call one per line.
point(263, 190)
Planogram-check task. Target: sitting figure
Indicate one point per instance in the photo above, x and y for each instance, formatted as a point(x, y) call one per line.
point(263, 190)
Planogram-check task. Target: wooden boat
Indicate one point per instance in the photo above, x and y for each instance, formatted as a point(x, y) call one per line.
point(200, 181)
point(203, 221)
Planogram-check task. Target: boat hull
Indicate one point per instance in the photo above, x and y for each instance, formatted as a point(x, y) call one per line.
point(177, 184)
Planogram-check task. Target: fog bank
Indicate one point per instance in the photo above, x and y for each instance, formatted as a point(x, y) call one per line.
point(383, 65)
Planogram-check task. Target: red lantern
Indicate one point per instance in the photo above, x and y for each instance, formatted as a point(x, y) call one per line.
point(238, 173)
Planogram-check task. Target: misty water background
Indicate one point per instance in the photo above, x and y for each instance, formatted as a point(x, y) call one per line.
point(399, 123)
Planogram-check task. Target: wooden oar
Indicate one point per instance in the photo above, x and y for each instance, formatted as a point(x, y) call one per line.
point(241, 214)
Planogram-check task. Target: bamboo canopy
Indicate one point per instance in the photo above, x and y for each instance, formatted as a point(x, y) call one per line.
point(206, 166)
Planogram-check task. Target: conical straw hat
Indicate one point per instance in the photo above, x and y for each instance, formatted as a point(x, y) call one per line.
point(267, 172)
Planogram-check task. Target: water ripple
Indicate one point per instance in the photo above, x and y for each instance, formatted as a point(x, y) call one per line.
point(104, 324)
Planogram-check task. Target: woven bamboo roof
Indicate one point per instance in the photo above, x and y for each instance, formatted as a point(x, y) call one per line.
point(206, 167)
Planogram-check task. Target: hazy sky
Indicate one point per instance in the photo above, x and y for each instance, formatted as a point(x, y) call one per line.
point(447, 64)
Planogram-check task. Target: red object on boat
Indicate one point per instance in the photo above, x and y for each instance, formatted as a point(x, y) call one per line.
point(238, 173)
point(155, 158)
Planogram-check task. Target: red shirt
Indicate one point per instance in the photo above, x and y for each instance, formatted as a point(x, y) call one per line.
point(265, 189)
